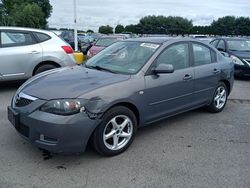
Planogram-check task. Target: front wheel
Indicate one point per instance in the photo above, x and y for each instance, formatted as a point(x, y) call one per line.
point(219, 99)
point(116, 132)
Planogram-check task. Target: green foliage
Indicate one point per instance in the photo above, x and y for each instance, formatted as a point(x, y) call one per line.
point(119, 28)
point(90, 31)
point(224, 25)
point(201, 30)
point(133, 28)
point(106, 29)
point(230, 25)
point(165, 25)
point(30, 15)
point(25, 13)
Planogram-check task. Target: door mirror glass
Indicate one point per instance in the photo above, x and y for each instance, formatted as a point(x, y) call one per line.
point(163, 69)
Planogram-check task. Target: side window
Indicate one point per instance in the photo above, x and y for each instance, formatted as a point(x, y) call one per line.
point(214, 43)
point(42, 37)
point(221, 46)
point(202, 55)
point(177, 55)
point(12, 39)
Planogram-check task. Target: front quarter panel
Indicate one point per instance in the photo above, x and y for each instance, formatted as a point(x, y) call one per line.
point(102, 99)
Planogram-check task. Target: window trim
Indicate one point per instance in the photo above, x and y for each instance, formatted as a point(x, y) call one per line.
point(37, 38)
point(224, 44)
point(213, 58)
point(17, 31)
point(218, 40)
point(149, 71)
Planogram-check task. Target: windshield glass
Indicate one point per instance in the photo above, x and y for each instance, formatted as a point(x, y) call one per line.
point(105, 42)
point(123, 57)
point(239, 45)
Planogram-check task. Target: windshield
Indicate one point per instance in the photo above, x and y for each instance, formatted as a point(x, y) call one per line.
point(105, 42)
point(239, 45)
point(123, 57)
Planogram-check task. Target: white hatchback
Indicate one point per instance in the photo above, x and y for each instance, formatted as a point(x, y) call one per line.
point(25, 52)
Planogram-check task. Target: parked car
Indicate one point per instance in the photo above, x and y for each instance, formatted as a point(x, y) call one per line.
point(130, 84)
point(86, 43)
point(69, 37)
point(239, 50)
point(102, 43)
point(26, 52)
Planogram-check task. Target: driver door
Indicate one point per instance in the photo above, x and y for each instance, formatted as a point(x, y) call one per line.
point(170, 93)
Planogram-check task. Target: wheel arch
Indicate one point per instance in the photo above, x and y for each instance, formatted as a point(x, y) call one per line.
point(130, 106)
point(228, 85)
point(45, 63)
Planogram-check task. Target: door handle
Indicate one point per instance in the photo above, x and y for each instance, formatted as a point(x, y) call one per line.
point(187, 77)
point(216, 71)
point(34, 52)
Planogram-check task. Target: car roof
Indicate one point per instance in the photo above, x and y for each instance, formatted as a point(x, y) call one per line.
point(232, 38)
point(25, 29)
point(161, 40)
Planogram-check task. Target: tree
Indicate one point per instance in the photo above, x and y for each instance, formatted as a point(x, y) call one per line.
point(30, 15)
point(90, 31)
point(119, 28)
point(224, 25)
point(165, 25)
point(36, 13)
point(106, 29)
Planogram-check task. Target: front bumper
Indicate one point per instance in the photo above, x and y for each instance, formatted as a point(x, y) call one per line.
point(57, 134)
point(242, 70)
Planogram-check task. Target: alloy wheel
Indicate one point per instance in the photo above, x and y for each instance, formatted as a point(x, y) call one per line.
point(220, 97)
point(118, 132)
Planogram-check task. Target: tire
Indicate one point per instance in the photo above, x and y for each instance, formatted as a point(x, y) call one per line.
point(111, 126)
point(43, 68)
point(219, 98)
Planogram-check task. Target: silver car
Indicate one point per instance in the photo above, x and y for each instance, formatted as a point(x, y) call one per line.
point(26, 52)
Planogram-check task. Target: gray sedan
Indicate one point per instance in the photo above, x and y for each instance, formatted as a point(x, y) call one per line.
point(128, 85)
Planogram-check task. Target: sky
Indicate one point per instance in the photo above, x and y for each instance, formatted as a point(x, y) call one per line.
point(93, 13)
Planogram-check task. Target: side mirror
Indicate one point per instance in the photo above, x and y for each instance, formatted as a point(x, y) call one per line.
point(163, 69)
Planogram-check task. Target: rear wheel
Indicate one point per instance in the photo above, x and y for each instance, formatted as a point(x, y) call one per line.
point(116, 132)
point(45, 67)
point(219, 99)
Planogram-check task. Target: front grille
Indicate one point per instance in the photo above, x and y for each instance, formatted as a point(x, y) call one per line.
point(23, 102)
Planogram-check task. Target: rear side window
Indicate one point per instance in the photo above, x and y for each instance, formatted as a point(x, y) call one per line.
point(202, 55)
point(221, 46)
point(13, 39)
point(42, 37)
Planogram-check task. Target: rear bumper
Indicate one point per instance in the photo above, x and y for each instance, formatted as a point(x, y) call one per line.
point(57, 134)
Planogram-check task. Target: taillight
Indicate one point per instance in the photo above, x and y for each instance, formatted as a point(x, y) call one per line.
point(68, 49)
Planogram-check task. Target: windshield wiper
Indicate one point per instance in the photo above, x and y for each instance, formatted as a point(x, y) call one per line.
point(97, 67)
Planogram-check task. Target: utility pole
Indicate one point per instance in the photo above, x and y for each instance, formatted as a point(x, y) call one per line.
point(75, 27)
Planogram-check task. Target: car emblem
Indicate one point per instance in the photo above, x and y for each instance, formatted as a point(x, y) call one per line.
point(17, 98)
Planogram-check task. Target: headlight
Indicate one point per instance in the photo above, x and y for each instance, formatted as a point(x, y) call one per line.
point(236, 60)
point(64, 106)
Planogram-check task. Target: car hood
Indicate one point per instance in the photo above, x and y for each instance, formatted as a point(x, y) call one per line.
point(242, 55)
point(70, 82)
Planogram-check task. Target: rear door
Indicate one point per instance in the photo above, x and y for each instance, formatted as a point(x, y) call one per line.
point(19, 51)
point(167, 94)
point(207, 72)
